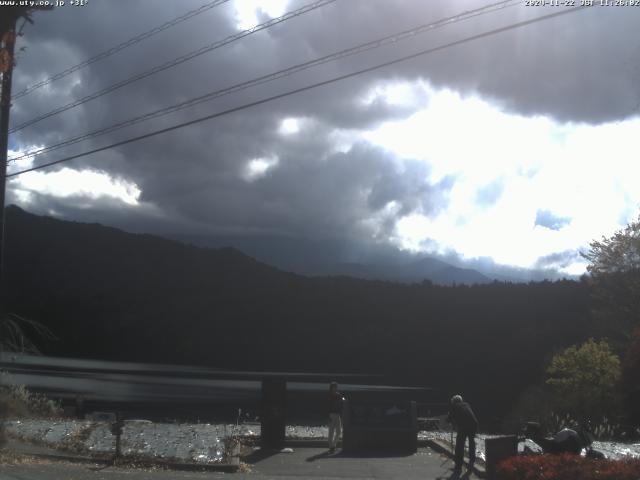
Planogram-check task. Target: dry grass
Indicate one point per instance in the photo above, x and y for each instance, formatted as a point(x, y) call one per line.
point(11, 458)
point(18, 402)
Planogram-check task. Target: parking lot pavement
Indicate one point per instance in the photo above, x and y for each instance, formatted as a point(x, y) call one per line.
point(301, 463)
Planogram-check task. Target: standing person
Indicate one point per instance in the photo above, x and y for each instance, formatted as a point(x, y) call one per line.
point(335, 419)
point(466, 423)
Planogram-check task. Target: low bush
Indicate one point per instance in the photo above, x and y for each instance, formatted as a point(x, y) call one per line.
point(18, 402)
point(566, 467)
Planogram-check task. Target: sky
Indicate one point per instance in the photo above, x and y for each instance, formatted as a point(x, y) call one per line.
point(516, 150)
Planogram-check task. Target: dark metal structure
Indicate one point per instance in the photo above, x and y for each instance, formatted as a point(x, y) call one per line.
point(498, 449)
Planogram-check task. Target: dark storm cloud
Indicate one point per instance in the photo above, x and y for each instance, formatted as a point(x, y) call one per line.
point(408, 189)
point(580, 68)
point(311, 194)
point(559, 260)
point(563, 80)
point(305, 193)
point(547, 219)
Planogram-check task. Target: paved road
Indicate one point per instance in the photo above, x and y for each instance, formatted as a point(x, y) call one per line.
point(303, 463)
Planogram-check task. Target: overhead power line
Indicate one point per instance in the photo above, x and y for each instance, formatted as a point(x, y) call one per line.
point(177, 61)
point(379, 66)
point(364, 47)
point(113, 50)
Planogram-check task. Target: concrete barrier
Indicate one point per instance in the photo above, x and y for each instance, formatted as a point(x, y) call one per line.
point(380, 427)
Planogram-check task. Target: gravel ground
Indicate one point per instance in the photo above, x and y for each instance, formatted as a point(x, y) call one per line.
point(201, 443)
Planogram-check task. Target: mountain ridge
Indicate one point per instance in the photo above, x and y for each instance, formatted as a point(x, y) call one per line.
point(266, 249)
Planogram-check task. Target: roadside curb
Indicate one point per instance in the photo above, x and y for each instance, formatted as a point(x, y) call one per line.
point(307, 442)
point(131, 462)
point(445, 449)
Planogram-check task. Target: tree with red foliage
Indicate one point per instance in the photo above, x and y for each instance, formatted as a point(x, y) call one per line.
point(614, 268)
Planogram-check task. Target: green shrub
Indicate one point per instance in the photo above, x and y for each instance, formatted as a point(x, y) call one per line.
point(583, 379)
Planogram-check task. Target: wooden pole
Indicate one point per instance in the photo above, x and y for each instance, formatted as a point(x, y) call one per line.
point(8, 43)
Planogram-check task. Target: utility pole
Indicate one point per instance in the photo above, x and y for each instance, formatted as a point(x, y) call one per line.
point(6, 60)
point(8, 36)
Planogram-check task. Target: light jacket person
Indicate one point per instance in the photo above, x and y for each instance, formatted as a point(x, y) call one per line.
point(335, 415)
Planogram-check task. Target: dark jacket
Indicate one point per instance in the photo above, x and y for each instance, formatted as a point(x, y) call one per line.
point(463, 417)
point(335, 402)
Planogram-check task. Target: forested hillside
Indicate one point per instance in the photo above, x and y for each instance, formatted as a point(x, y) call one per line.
point(114, 295)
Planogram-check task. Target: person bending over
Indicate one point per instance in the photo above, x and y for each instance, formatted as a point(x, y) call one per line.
point(463, 418)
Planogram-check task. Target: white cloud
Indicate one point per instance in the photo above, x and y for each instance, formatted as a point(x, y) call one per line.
point(75, 183)
point(68, 182)
point(247, 11)
point(587, 173)
point(398, 94)
point(289, 126)
point(258, 168)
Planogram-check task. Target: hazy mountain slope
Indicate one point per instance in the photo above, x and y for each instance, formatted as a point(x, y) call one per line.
point(306, 257)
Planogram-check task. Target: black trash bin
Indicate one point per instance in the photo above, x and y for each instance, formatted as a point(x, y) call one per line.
point(385, 427)
point(498, 449)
